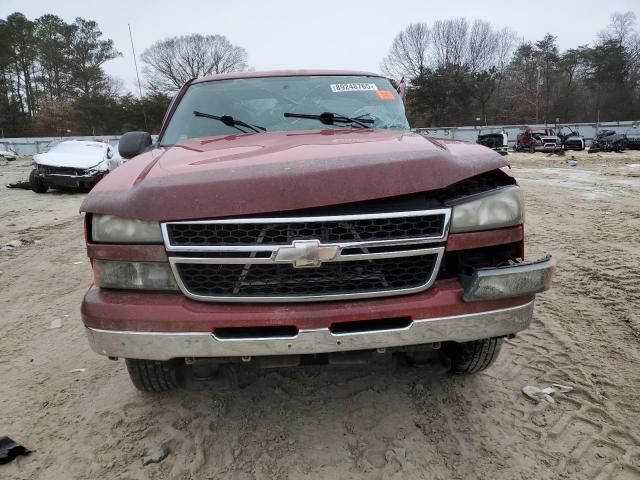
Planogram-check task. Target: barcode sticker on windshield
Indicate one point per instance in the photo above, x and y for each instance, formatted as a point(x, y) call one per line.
point(353, 87)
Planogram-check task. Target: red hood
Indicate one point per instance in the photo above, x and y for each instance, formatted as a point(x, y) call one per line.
point(279, 171)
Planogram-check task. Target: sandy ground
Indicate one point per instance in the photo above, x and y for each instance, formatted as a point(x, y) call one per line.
point(334, 423)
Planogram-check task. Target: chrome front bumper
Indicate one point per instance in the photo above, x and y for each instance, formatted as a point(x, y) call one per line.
point(547, 147)
point(165, 346)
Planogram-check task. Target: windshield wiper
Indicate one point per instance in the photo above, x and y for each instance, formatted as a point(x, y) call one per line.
point(229, 121)
point(329, 118)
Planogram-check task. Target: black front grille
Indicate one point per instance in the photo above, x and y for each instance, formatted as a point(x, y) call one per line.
point(48, 170)
point(333, 278)
point(201, 234)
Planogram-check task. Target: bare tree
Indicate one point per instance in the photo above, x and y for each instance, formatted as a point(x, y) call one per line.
point(506, 41)
point(409, 51)
point(449, 38)
point(114, 87)
point(170, 63)
point(481, 47)
point(620, 29)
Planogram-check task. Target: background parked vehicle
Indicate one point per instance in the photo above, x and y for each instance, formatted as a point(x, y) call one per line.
point(633, 137)
point(571, 139)
point(8, 154)
point(495, 139)
point(608, 141)
point(538, 140)
point(73, 164)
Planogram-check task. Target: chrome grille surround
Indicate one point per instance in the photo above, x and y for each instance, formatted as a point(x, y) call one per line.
point(278, 255)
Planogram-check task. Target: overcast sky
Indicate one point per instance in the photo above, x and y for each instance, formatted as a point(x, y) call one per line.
point(343, 34)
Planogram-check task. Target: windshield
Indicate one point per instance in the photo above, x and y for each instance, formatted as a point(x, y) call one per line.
point(264, 101)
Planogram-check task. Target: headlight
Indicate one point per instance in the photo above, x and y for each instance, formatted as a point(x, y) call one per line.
point(108, 229)
point(497, 209)
point(134, 275)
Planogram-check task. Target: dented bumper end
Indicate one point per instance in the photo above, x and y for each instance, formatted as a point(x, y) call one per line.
point(510, 281)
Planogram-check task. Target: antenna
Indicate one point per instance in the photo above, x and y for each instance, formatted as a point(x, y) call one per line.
point(135, 62)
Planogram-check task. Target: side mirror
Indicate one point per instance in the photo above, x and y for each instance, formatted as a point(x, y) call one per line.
point(134, 143)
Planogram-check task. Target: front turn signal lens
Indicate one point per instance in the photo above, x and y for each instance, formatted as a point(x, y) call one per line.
point(134, 275)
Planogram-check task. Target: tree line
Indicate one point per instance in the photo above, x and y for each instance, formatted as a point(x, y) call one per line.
point(462, 73)
point(52, 81)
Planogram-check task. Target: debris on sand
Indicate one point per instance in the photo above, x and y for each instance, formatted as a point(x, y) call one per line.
point(22, 185)
point(55, 323)
point(545, 395)
point(11, 245)
point(10, 450)
point(155, 454)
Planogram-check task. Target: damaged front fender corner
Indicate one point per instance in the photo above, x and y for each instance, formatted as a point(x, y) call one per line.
point(511, 281)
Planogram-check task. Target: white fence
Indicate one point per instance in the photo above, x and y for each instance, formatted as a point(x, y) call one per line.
point(31, 146)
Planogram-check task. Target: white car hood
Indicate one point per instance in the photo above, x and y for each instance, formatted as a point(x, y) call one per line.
point(72, 160)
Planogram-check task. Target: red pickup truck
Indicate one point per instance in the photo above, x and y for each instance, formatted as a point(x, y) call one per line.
point(290, 217)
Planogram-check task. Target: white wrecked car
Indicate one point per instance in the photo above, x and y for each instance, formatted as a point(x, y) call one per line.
point(73, 164)
point(8, 154)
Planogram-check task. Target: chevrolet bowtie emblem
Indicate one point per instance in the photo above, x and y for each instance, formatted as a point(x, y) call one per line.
point(306, 253)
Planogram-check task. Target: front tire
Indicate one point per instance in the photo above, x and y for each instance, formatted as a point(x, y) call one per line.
point(473, 357)
point(152, 376)
point(36, 184)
